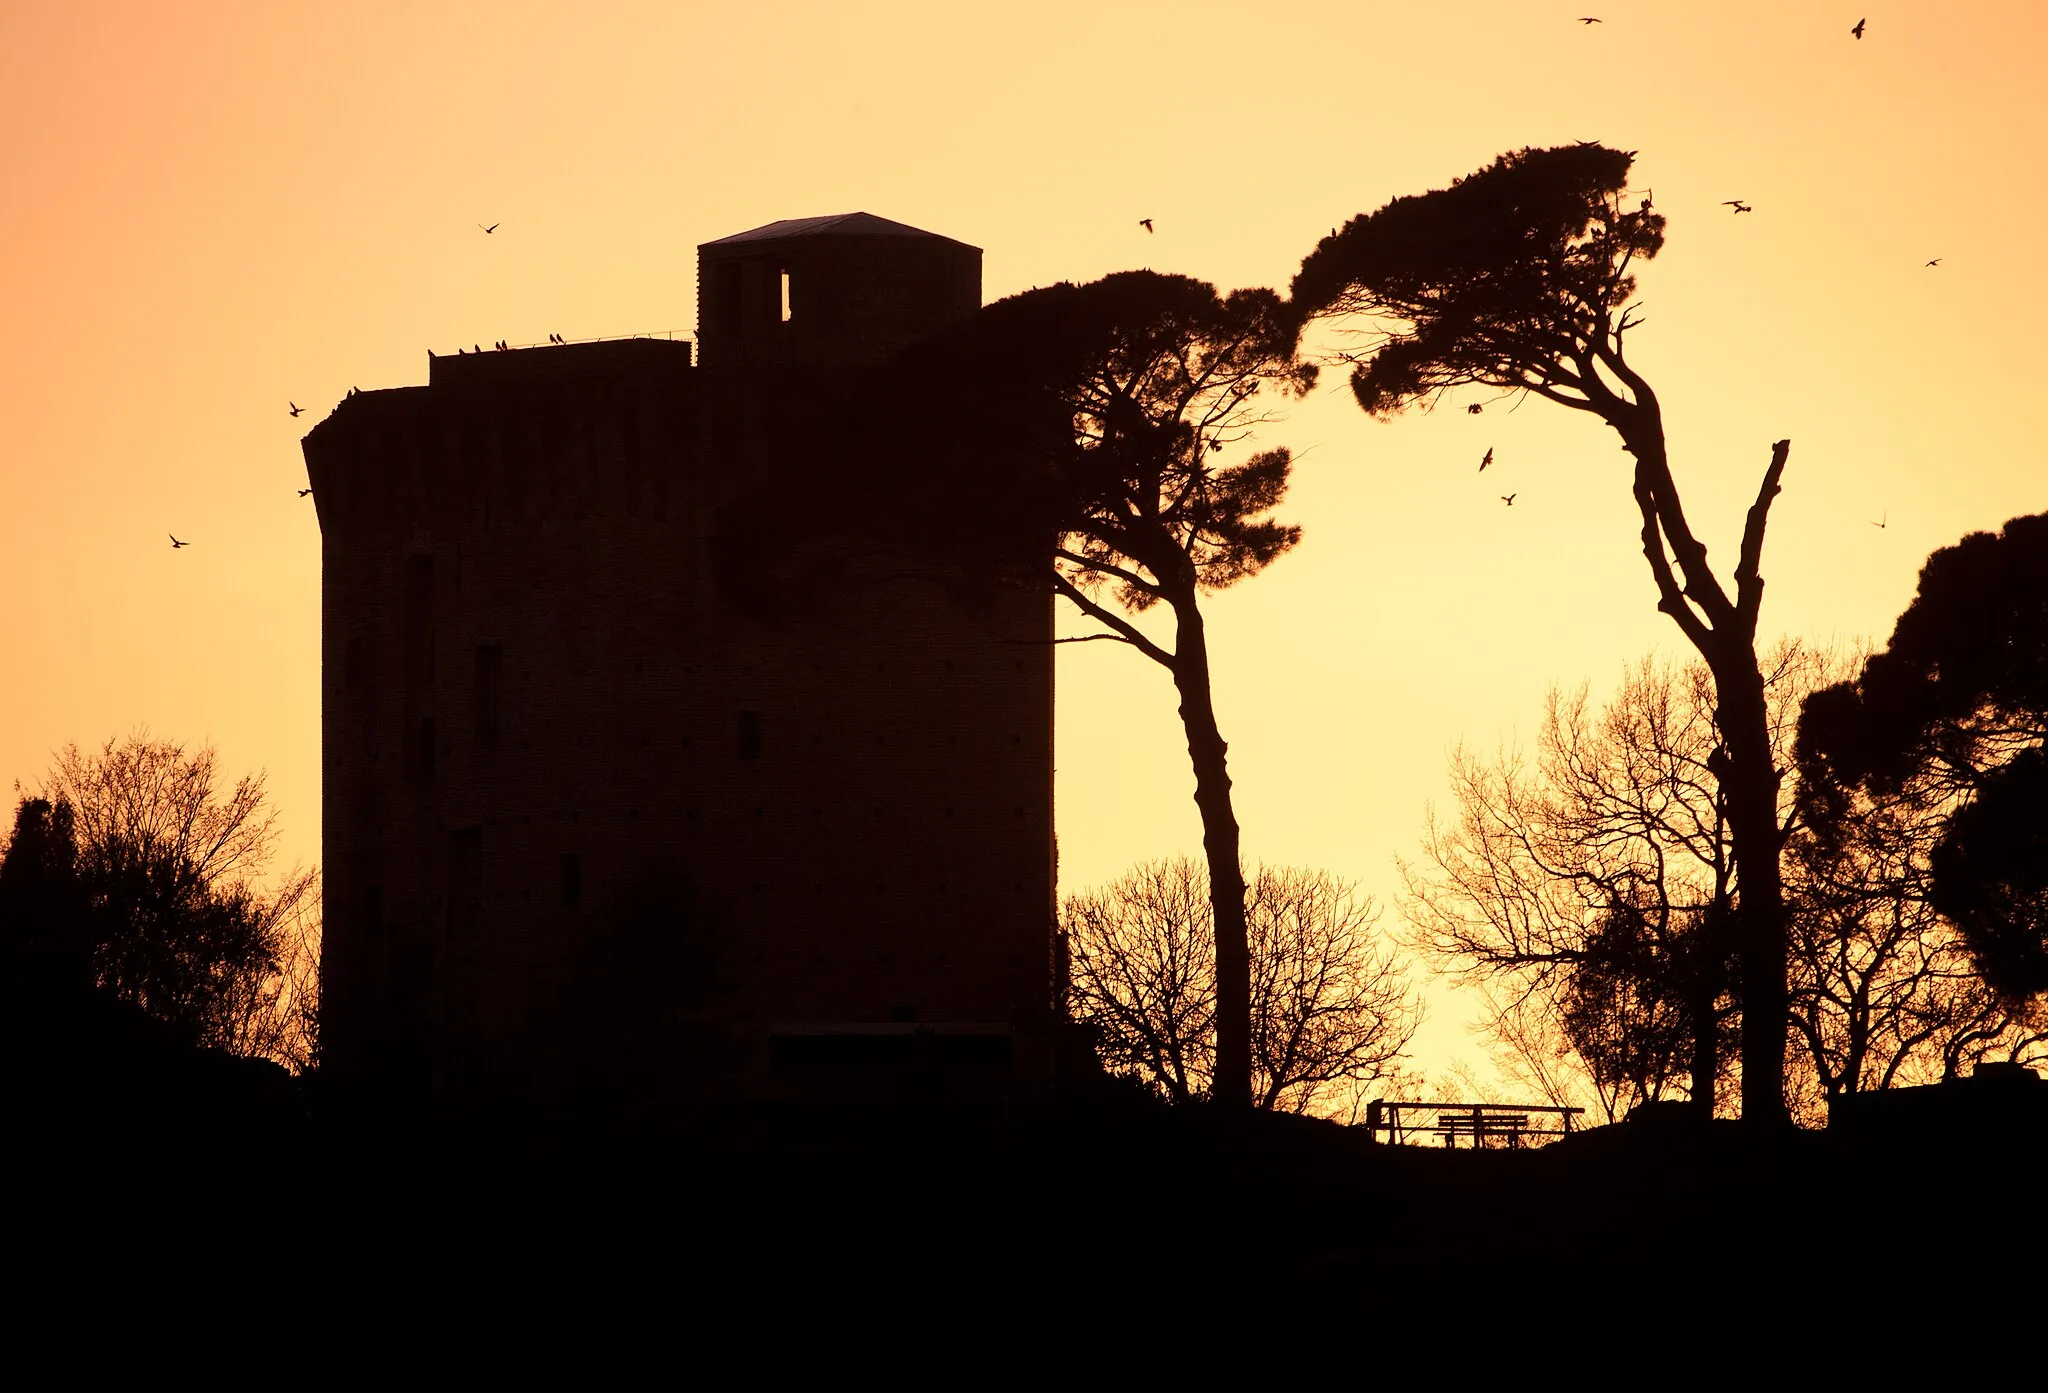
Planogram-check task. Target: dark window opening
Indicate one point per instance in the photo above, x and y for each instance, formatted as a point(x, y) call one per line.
point(490, 669)
point(572, 880)
point(750, 735)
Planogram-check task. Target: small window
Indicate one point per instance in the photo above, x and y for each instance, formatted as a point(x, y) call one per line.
point(490, 668)
point(750, 735)
point(572, 880)
point(785, 295)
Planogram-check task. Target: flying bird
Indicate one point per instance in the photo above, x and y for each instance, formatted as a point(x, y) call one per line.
point(489, 230)
point(175, 543)
point(1474, 409)
point(1935, 262)
point(1887, 519)
point(1488, 460)
point(1588, 19)
point(296, 408)
point(1737, 204)
point(1858, 30)
point(304, 492)
point(1145, 223)
point(1508, 498)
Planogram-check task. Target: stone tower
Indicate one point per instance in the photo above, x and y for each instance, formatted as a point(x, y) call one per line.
point(540, 695)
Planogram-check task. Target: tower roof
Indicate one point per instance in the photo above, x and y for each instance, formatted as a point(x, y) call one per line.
point(831, 225)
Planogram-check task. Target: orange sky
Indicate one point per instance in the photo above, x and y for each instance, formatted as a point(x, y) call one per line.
point(207, 210)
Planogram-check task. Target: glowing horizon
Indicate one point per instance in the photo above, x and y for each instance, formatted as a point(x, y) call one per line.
point(225, 209)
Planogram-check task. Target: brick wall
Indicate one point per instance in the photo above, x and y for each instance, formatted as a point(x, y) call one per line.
point(862, 789)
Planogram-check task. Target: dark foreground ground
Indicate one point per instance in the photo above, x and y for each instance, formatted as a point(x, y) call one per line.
point(201, 1208)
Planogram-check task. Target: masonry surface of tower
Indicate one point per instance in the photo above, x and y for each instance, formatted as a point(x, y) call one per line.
point(540, 700)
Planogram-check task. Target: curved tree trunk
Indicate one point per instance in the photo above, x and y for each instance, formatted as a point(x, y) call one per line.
point(1724, 633)
point(1232, 1086)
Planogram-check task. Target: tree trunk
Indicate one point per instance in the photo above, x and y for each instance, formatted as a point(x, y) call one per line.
point(1726, 638)
point(1752, 784)
point(1232, 1086)
point(1706, 1053)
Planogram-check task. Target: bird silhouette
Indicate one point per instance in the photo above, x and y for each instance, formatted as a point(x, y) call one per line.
point(1648, 194)
point(1145, 223)
point(304, 492)
point(1588, 19)
point(296, 408)
point(1935, 262)
point(489, 230)
point(1508, 498)
point(1488, 460)
point(1887, 519)
point(1474, 409)
point(175, 543)
point(1858, 30)
point(477, 347)
point(1737, 204)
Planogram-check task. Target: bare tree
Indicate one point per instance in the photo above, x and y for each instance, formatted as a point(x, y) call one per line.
point(168, 864)
point(1331, 1009)
point(1586, 896)
point(276, 1015)
point(1519, 278)
point(1533, 1049)
point(1591, 890)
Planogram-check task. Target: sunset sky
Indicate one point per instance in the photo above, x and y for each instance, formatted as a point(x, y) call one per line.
point(209, 210)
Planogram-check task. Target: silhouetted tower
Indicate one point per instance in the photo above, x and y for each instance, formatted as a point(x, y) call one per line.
point(848, 289)
point(542, 684)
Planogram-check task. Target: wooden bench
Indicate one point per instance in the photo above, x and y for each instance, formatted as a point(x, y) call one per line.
point(1477, 1125)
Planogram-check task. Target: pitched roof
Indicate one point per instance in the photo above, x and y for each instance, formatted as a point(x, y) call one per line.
point(832, 225)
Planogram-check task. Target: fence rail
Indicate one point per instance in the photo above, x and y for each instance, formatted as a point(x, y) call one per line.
point(1512, 1125)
